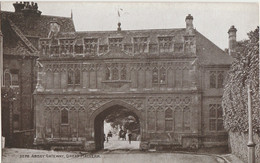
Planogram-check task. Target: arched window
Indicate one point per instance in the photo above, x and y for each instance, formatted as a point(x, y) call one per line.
point(123, 73)
point(168, 119)
point(7, 78)
point(11, 77)
point(70, 77)
point(186, 118)
point(77, 77)
point(178, 115)
point(155, 76)
point(212, 79)
point(107, 73)
point(162, 75)
point(115, 75)
point(220, 79)
point(215, 117)
point(74, 77)
point(64, 116)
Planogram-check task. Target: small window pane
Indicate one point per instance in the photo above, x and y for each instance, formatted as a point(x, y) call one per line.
point(162, 75)
point(219, 115)
point(64, 116)
point(77, 77)
point(155, 76)
point(212, 113)
point(123, 73)
point(168, 125)
point(107, 74)
point(7, 79)
point(70, 77)
point(220, 79)
point(115, 75)
point(212, 79)
point(212, 125)
point(168, 113)
point(220, 125)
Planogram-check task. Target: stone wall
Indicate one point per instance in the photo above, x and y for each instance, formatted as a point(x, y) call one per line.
point(238, 142)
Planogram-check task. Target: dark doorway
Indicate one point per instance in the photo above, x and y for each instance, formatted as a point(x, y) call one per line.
point(116, 115)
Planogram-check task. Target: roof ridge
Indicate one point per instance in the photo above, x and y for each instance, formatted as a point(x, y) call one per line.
point(23, 38)
point(11, 12)
point(132, 30)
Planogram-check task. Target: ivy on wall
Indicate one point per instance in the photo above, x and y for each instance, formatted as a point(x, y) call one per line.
point(244, 70)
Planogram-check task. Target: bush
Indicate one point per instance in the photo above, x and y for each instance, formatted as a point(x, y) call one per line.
point(244, 70)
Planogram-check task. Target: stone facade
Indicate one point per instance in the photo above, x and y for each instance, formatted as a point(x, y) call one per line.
point(166, 77)
point(171, 79)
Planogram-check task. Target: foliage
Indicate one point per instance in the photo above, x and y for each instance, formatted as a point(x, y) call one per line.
point(244, 70)
point(125, 118)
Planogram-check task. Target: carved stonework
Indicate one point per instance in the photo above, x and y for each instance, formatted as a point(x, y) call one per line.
point(94, 104)
point(65, 102)
point(169, 101)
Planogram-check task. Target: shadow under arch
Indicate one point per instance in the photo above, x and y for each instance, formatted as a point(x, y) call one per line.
point(98, 116)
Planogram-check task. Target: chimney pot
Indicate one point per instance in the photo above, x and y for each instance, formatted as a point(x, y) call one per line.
point(232, 42)
point(189, 24)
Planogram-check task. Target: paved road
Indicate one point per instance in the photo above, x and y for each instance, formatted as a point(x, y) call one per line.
point(113, 144)
point(15, 155)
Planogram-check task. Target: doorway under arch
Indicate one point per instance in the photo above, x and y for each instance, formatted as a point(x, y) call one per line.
point(101, 114)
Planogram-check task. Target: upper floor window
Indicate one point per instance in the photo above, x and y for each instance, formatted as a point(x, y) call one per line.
point(73, 76)
point(159, 77)
point(216, 79)
point(165, 44)
point(91, 45)
point(115, 72)
point(215, 117)
point(188, 44)
point(168, 119)
point(11, 77)
point(45, 47)
point(178, 47)
point(115, 42)
point(140, 44)
point(66, 46)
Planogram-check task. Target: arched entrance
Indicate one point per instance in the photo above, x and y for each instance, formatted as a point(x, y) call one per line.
point(100, 114)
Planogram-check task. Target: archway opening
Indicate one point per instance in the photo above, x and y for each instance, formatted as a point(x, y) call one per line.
point(117, 127)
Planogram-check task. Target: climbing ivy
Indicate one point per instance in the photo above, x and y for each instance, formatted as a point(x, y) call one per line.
point(244, 70)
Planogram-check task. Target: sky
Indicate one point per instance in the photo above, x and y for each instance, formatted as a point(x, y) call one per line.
point(211, 19)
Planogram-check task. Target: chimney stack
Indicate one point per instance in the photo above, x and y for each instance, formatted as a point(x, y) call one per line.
point(189, 24)
point(27, 8)
point(18, 6)
point(232, 38)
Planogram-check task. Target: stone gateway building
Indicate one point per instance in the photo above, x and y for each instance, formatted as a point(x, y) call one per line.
point(170, 79)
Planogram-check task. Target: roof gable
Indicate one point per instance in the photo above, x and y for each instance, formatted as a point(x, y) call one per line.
point(38, 26)
point(209, 53)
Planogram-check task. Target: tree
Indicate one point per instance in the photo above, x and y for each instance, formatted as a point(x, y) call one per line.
point(244, 70)
point(123, 117)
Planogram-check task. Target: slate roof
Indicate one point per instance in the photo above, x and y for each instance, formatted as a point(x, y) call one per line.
point(38, 25)
point(21, 33)
point(126, 34)
point(209, 53)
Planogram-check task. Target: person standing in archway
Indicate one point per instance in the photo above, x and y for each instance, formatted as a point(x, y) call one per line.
point(129, 136)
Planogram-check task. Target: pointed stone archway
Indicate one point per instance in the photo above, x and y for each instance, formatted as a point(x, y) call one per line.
point(98, 116)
